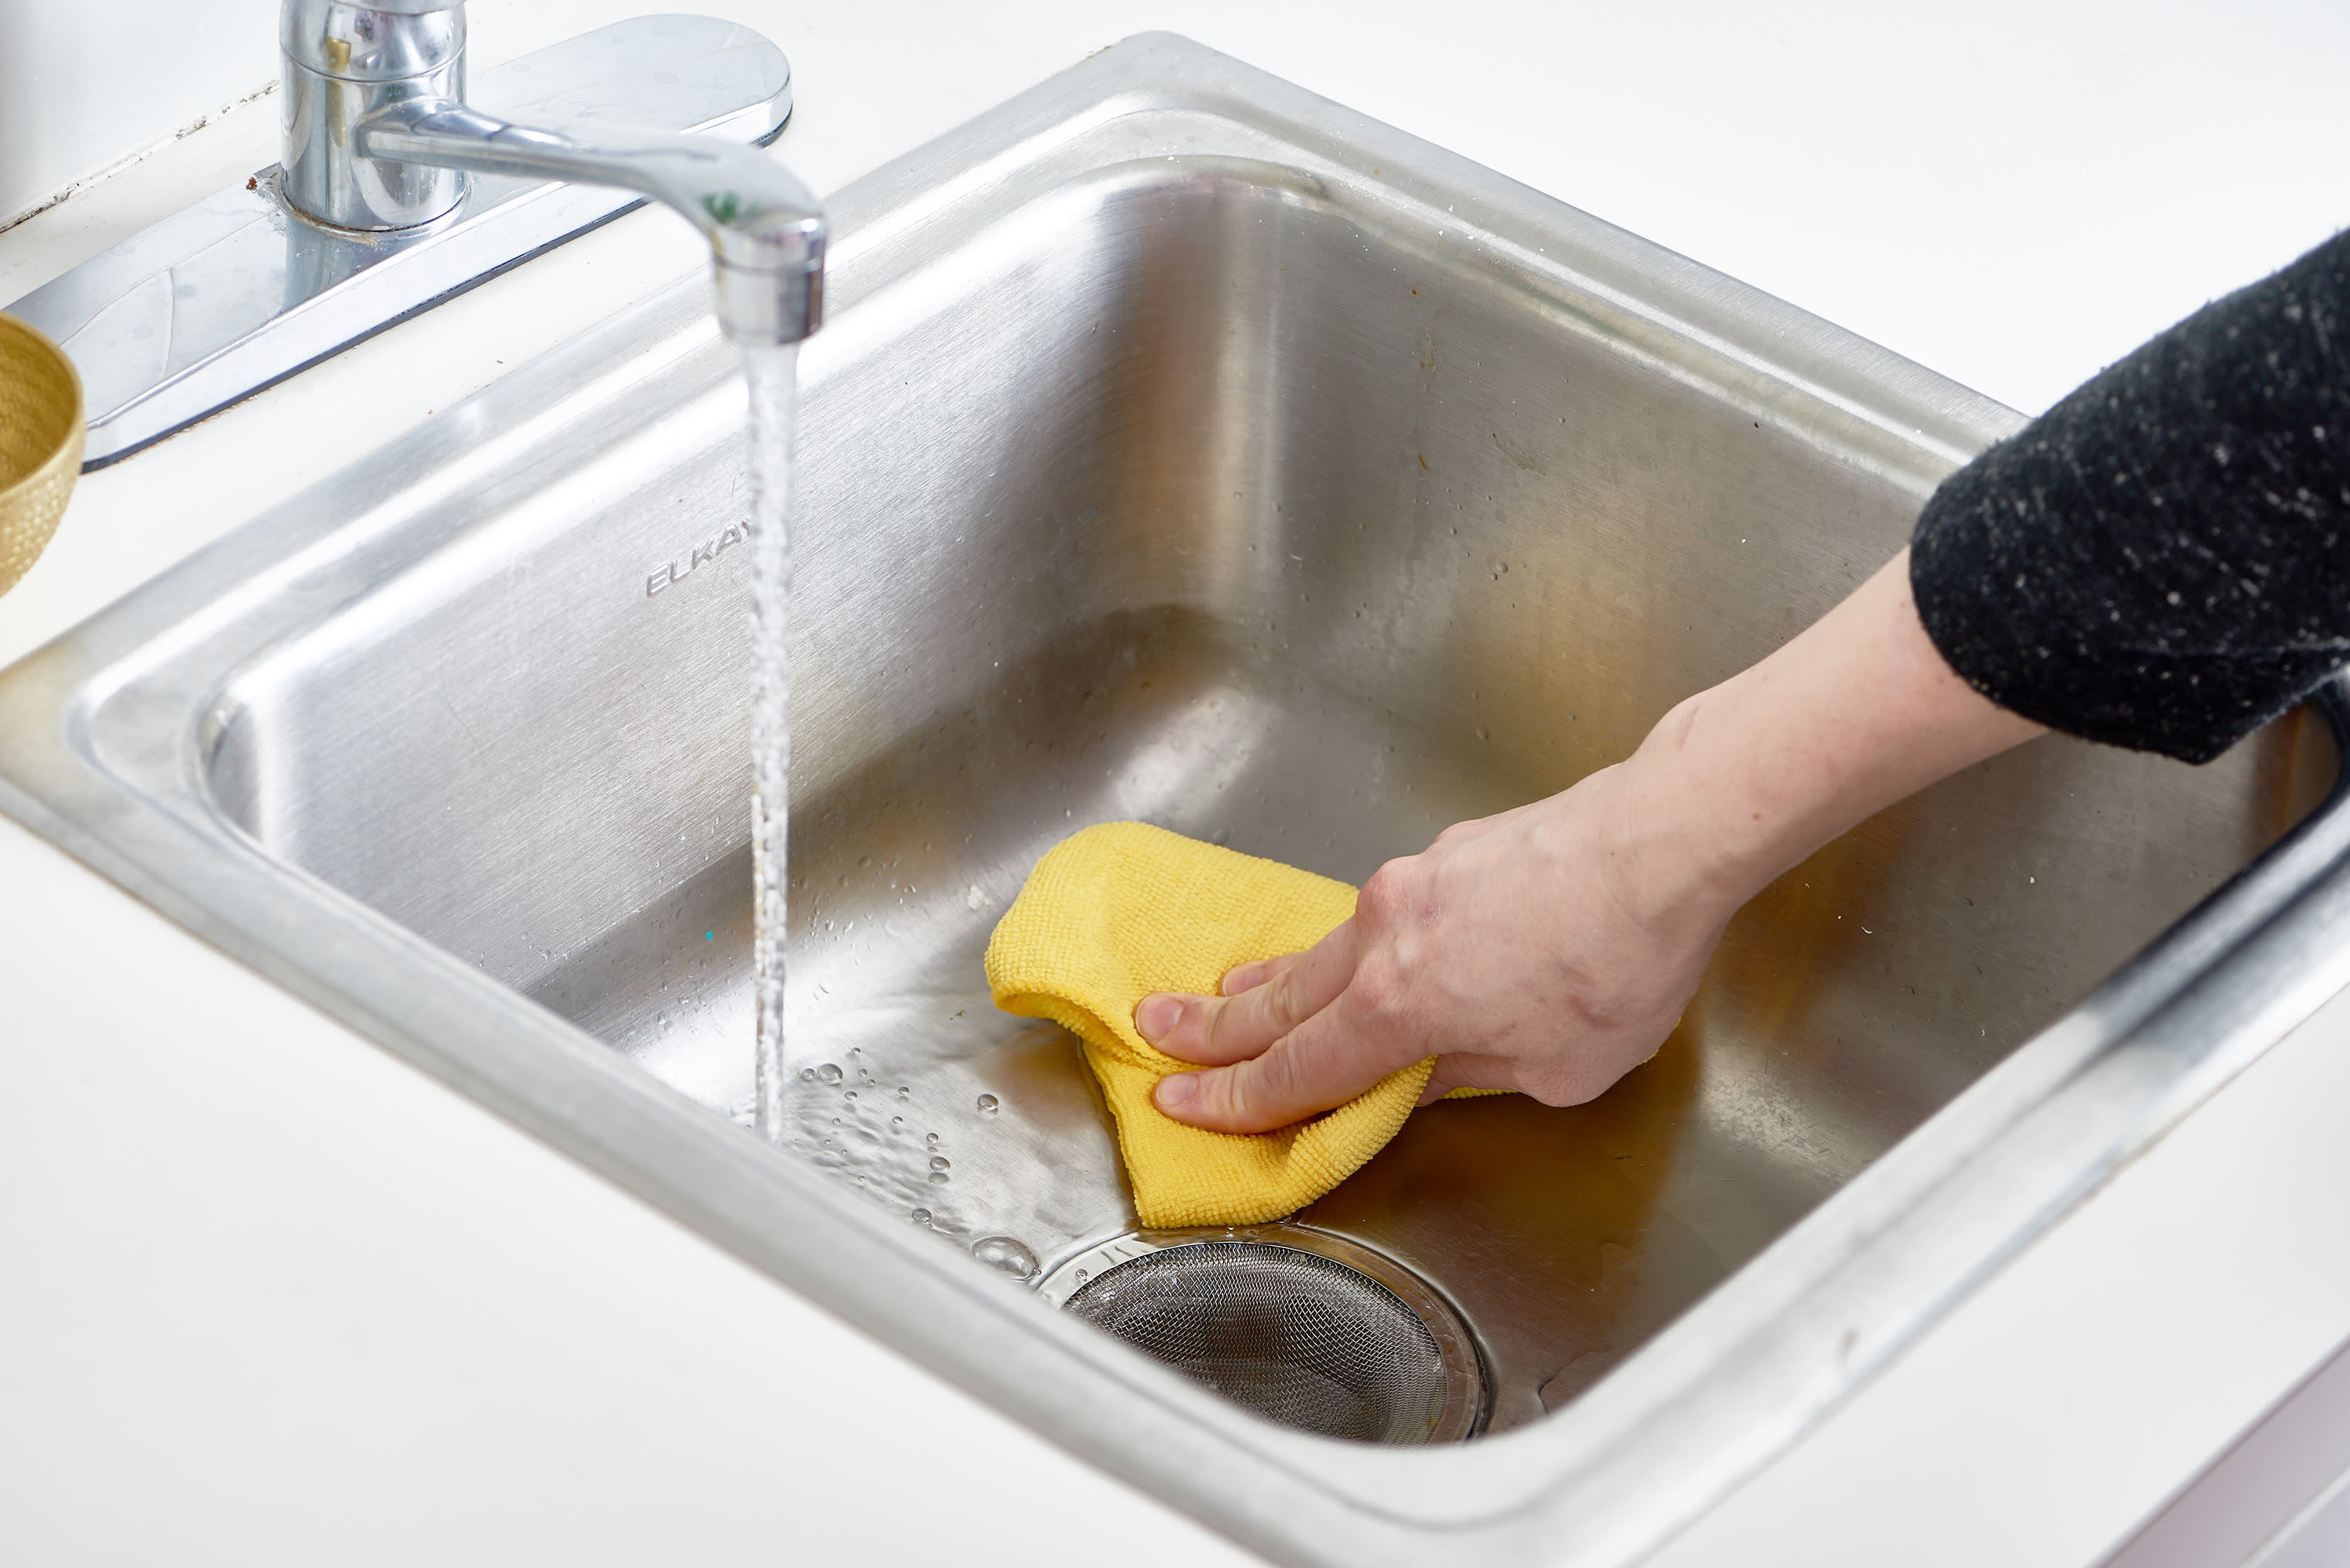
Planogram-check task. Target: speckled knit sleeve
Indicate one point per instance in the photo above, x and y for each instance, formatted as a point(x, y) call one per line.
point(2162, 560)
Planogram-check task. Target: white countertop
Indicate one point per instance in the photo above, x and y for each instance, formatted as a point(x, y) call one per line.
point(272, 1296)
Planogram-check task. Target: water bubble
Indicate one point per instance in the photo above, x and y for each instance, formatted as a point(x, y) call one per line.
point(1004, 1252)
point(987, 1104)
point(921, 1216)
point(941, 1162)
point(827, 1074)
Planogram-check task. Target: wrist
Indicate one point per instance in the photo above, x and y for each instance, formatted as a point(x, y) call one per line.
point(1662, 851)
point(1740, 782)
point(1709, 834)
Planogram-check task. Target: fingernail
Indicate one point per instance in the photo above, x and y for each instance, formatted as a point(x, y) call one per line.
point(1155, 1015)
point(1176, 1090)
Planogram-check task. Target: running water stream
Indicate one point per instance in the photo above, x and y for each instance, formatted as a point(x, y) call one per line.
point(772, 371)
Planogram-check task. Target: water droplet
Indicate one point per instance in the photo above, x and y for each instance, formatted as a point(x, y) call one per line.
point(905, 1091)
point(896, 1121)
point(939, 1179)
point(808, 1075)
point(987, 1104)
point(827, 1074)
point(1082, 1276)
point(930, 1139)
point(1004, 1252)
point(921, 1216)
point(848, 1093)
point(941, 1162)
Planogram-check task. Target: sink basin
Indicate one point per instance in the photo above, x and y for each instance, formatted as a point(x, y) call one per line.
point(1185, 448)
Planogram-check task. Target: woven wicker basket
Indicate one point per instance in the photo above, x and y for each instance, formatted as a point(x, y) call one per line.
point(40, 444)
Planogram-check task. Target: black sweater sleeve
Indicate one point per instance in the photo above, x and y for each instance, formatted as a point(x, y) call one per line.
point(2162, 560)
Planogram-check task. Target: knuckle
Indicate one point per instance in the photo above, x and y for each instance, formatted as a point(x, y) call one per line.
point(1383, 995)
point(1276, 1079)
point(1210, 1022)
point(1218, 1102)
point(1387, 898)
point(1284, 998)
point(1225, 1100)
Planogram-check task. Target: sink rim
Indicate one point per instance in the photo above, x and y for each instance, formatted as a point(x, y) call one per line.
point(101, 732)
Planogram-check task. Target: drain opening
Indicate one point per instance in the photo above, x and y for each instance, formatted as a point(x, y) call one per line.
point(1306, 1329)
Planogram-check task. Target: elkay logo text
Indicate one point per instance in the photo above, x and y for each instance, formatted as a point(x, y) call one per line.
point(701, 556)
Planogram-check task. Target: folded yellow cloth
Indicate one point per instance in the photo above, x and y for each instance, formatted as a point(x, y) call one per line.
point(1122, 909)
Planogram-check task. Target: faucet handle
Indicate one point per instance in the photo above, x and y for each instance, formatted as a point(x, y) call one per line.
point(340, 62)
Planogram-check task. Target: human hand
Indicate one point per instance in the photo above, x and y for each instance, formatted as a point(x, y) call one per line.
point(1551, 948)
point(1545, 949)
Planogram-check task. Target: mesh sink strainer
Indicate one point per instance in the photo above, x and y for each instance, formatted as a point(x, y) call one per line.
point(1301, 1326)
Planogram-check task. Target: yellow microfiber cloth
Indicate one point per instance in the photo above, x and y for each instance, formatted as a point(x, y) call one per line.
point(1122, 909)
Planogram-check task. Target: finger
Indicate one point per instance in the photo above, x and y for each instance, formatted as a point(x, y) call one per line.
point(1249, 976)
point(1213, 1029)
point(1324, 1062)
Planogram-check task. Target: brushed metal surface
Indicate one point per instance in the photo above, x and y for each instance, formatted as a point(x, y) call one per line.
point(1229, 512)
point(1185, 448)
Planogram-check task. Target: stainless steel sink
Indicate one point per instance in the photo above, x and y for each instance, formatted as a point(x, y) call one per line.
point(1186, 448)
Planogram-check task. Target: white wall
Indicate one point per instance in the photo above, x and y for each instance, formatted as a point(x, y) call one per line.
point(2060, 178)
point(84, 83)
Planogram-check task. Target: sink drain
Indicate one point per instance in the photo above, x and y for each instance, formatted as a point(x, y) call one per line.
point(1301, 1326)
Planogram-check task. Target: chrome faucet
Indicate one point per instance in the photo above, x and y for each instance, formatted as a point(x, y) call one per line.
point(379, 140)
point(404, 185)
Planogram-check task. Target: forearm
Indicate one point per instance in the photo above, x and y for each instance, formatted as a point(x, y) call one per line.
point(1549, 949)
point(2162, 560)
point(1744, 780)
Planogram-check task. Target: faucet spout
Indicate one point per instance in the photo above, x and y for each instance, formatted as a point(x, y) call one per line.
point(767, 233)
